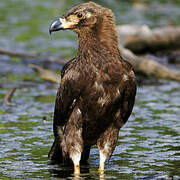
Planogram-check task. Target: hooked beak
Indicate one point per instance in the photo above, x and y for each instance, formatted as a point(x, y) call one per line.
point(56, 25)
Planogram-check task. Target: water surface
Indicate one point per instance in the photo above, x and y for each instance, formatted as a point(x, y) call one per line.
point(149, 143)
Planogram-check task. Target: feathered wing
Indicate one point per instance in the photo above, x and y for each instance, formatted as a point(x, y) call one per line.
point(125, 102)
point(66, 98)
point(62, 110)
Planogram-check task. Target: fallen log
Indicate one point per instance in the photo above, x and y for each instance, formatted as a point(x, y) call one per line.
point(140, 39)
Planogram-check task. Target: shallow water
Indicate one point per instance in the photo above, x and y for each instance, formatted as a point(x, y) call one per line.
point(149, 143)
point(148, 146)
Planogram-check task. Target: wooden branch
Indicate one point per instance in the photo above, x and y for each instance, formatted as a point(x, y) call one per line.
point(32, 56)
point(142, 39)
point(46, 74)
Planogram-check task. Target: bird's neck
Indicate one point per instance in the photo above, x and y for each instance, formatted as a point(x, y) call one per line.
point(102, 38)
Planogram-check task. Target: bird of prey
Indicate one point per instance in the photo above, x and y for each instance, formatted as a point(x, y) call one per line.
point(97, 89)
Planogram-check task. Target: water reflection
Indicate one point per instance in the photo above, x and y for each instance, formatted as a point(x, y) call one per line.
point(66, 172)
point(61, 172)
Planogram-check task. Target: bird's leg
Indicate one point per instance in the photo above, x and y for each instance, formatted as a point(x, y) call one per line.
point(101, 166)
point(106, 145)
point(76, 170)
point(76, 161)
point(102, 162)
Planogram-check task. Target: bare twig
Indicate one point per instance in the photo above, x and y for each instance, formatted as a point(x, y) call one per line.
point(9, 95)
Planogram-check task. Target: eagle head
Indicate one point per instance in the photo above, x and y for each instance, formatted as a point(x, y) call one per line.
point(85, 16)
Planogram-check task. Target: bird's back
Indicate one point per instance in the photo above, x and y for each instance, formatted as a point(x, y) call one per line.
point(107, 96)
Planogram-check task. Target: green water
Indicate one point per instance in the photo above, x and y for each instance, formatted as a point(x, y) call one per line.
point(25, 23)
point(149, 144)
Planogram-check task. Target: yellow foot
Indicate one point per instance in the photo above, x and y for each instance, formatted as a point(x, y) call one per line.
point(101, 176)
point(101, 168)
point(76, 170)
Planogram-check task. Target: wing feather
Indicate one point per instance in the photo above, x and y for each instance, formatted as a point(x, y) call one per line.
point(66, 95)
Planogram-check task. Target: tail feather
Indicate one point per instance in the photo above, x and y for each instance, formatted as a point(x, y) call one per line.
point(55, 154)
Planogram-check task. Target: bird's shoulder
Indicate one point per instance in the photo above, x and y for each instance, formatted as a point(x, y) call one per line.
point(70, 84)
point(67, 93)
point(70, 73)
point(67, 67)
point(128, 69)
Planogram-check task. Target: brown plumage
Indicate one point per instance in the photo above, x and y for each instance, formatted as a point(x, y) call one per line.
point(97, 89)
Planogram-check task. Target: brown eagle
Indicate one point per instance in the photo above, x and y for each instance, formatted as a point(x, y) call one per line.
point(97, 89)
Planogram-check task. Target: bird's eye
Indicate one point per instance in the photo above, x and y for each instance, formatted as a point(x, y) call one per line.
point(79, 15)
